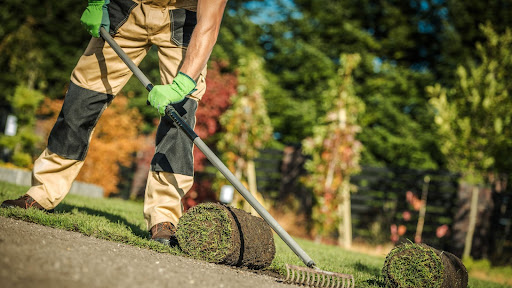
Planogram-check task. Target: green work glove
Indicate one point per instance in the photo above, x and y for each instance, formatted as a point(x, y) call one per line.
point(95, 16)
point(162, 95)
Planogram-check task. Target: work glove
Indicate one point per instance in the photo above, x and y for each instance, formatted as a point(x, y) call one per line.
point(162, 95)
point(95, 16)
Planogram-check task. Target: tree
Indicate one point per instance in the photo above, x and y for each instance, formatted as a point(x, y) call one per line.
point(54, 28)
point(22, 57)
point(461, 32)
point(247, 125)
point(472, 116)
point(397, 126)
point(24, 103)
point(335, 156)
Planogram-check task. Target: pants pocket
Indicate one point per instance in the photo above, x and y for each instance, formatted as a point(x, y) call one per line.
point(183, 23)
point(118, 12)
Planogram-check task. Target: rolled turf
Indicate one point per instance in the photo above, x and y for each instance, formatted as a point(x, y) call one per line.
point(419, 265)
point(222, 234)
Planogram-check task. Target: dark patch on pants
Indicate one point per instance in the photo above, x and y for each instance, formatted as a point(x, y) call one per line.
point(183, 23)
point(173, 147)
point(81, 111)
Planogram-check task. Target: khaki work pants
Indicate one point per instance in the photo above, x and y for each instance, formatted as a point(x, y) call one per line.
point(100, 69)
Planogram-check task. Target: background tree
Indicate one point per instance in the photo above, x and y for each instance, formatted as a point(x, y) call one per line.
point(24, 103)
point(461, 32)
point(246, 123)
point(472, 116)
point(59, 46)
point(335, 154)
point(21, 56)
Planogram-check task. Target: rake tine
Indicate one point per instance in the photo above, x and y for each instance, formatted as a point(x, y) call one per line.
point(323, 280)
point(328, 281)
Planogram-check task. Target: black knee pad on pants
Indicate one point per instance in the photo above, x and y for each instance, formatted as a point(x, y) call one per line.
point(173, 147)
point(80, 112)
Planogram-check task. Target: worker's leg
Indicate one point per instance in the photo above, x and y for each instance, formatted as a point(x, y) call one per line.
point(99, 75)
point(172, 167)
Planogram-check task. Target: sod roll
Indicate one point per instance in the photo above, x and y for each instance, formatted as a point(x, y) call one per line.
point(419, 265)
point(226, 235)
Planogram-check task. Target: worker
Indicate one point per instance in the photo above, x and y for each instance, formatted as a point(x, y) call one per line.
point(185, 32)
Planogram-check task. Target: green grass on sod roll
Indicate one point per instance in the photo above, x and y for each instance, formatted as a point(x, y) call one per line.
point(412, 265)
point(204, 232)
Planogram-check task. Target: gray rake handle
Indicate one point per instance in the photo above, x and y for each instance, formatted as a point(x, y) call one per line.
point(171, 112)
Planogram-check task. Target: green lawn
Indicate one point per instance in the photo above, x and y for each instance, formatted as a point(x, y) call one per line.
point(122, 221)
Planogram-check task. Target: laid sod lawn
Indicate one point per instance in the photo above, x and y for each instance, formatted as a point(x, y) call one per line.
point(122, 221)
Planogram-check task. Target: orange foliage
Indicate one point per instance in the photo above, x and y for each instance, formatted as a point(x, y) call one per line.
point(115, 141)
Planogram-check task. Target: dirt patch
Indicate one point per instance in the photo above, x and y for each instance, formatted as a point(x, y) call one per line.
point(257, 249)
point(32, 255)
point(222, 234)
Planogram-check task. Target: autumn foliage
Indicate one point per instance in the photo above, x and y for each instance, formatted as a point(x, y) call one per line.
point(115, 140)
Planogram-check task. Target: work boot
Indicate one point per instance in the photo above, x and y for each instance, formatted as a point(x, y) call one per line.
point(164, 233)
point(24, 202)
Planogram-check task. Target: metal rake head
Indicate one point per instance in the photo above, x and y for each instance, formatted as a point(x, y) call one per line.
point(315, 277)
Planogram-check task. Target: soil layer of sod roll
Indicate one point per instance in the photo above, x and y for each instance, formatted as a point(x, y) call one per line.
point(226, 235)
point(419, 265)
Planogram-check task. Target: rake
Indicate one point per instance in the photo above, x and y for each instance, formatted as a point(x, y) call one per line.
point(310, 275)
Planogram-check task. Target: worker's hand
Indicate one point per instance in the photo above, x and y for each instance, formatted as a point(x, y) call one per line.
point(162, 95)
point(95, 16)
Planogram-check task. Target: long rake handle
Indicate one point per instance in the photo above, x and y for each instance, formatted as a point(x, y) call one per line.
point(171, 112)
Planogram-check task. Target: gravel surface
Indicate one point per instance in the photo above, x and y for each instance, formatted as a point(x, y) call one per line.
point(32, 255)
